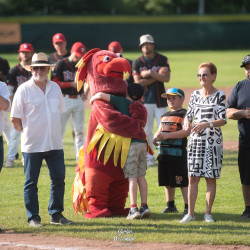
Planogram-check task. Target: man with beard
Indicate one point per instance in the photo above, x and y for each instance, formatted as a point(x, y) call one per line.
point(17, 76)
point(151, 70)
point(36, 113)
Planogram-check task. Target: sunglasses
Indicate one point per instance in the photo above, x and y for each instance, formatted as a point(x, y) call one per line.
point(203, 75)
point(42, 68)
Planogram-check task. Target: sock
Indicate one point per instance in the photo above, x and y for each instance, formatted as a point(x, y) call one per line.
point(133, 205)
point(144, 204)
point(186, 206)
point(170, 204)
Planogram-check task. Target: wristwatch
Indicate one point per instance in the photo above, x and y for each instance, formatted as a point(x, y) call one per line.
point(211, 125)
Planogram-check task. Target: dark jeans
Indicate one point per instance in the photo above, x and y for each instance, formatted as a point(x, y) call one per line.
point(1, 152)
point(32, 166)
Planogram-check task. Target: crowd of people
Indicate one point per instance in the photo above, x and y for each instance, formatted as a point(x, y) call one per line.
point(48, 105)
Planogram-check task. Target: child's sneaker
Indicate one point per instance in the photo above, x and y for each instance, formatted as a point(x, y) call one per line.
point(145, 212)
point(133, 214)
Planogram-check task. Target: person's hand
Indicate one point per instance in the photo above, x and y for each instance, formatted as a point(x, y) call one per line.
point(146, 73)
point(94, 97)
point(247, 113)
point(162, 137)
point(197, 128)
point(73, 85)
point(186, 124)
point(155, 141)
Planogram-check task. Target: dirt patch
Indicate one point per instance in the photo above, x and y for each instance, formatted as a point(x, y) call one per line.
point(9, 240)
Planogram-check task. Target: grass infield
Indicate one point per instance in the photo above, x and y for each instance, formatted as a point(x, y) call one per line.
point(228, 205)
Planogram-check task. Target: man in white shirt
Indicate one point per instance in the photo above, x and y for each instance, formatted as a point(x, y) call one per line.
point(4, 106)
point(35, 114)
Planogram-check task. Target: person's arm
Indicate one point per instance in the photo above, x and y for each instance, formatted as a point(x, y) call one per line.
point(237, 114)
point(162, 76)
point(143, 81)
point(17, 124)
point(4, 104)
point(197, 128)
point(176, 134)
point(155, 139)
point(100, 96)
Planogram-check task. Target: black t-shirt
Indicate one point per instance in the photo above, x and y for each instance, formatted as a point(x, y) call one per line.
point(64, 71)
point(54, 57)
point(239, 99)
point(17, 76)
point(171, 121)
point(4, 66)
point(153, 91)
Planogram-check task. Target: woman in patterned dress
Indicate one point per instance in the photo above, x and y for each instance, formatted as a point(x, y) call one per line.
point(206, 114)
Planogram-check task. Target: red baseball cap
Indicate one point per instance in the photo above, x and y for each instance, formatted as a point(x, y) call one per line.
point(58, 37)
point(26, 47)
point(79, 49)
point(115, 47)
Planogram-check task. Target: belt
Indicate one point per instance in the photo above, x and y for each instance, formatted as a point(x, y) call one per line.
point(73, 96)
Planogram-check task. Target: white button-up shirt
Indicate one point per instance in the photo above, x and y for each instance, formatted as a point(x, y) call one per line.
point(4, 92)
point(40, 115)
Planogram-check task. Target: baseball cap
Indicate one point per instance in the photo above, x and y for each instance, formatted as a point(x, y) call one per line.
point(146, 39)
point(58, 37)
point(135, 91)
point(173, 91)
point(245, 61)
point(26, 47)
point(38, 59)
point(79, 49)
point(115, 47)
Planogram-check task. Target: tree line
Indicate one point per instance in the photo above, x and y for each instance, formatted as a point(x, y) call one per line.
point(122, 7)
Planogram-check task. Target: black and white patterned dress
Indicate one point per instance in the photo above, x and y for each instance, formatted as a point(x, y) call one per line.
point(205, 150)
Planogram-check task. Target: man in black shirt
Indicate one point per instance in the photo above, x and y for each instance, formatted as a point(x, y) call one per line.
point(238, 108)
point(151, 70)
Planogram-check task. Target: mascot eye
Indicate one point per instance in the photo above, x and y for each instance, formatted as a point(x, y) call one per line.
point(106, 59)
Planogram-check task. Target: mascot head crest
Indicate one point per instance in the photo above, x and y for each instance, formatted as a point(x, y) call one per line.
point(106, 72)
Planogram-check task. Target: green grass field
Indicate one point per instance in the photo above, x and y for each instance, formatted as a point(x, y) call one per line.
point(228, 205)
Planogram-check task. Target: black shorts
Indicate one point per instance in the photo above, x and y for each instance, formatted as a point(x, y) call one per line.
point(244, 165)
point(172, 171)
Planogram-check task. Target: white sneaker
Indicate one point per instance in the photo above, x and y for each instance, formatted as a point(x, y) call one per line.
point(208, 218)
point(187, 218)
point(9, 163)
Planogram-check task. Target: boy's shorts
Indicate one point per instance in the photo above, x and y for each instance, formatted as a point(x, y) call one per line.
point(172, 171)
point(136, 164)
point(244, 165)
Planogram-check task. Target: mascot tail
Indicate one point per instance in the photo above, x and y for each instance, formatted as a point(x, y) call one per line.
point(80, 202)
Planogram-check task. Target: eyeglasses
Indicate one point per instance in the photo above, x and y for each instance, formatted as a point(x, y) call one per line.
point(42, 68)
point(202, 75)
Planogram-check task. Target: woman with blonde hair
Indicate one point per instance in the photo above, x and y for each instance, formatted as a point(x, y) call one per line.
point(206, 114)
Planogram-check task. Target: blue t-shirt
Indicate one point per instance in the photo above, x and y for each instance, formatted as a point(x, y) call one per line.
point(240, 99)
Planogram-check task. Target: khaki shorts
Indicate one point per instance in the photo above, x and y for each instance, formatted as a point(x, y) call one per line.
point(136, 164)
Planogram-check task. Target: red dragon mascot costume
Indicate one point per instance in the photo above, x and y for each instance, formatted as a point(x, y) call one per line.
point(100, 189)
